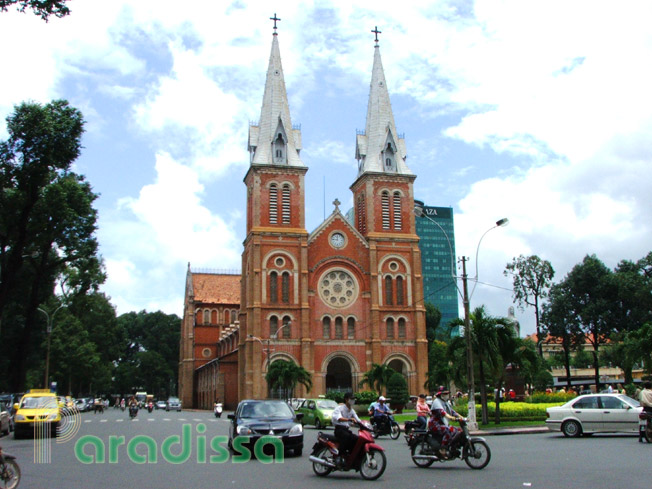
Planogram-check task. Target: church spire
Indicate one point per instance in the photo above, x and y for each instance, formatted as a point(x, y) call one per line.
point(380, 149)
point(274, 141)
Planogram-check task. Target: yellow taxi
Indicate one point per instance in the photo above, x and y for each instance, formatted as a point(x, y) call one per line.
point(38, 410)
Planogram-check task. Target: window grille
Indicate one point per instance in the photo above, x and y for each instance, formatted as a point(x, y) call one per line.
point(390, 328)
point(285, 287)
point(398, 220)
point(399, 291)
point(286, 204)
point(273, 287)
point(401, 328)
point(385, 209)
point(326, 324)
point(273, 204)
point(338, 328)
point(388, 291)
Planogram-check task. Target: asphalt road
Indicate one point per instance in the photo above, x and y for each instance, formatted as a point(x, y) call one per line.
point(532, 461)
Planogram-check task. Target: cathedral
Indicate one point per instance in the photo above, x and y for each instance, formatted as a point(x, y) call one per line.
point(334, 300)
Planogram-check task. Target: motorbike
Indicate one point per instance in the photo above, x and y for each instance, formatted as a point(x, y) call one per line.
point(9, 470)
point(366, 457)
point(387, 426)
point(133, 411)
point(474, 450)
point(411, 430)
point(218, 409)
point(645, 427)
point(150, 407)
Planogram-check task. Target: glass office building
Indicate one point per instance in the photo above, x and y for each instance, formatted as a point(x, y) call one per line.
point(436, 262)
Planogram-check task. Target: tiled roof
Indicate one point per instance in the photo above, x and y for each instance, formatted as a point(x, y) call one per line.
point(216, 288)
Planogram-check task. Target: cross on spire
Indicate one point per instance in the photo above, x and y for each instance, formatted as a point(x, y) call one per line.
point(337, 203)
point(375, 31)
point(275, 19)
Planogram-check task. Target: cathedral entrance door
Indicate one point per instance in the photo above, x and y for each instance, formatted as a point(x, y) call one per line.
point(338, 375)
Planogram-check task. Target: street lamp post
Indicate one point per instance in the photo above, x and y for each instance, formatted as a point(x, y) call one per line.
point(49, 321)
point(466, 299)
point(267, 350)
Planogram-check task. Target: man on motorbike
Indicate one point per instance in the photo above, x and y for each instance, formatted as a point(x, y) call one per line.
point(438, 425)
point(342, 416)
point(380, 412)
point(645, 397)
point(442, 401)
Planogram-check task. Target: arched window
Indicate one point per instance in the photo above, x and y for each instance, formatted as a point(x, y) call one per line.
point(234, 315)
point(273, 326)
point(287, 324)
point(285, 287)
point(398, 220)
point(227, 317)
point(286, 204)
point(390, 328)
point(273, 204)
point(399, 291)
point(362, 218)
point(339, 334)
point(273, 288)
point(207, 316)
point(384, 201)
point(388, 291)
point(279, 149)
point(350, 326)
point(198, 317)
point(213, 317)
point(401, 328)
point(326, 324)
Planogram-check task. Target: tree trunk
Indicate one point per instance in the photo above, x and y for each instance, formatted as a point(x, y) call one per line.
point(567, 365)
point(497, 398)
point(483, 395)
point(596, 367)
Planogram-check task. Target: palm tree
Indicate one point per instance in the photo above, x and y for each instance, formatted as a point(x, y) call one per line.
point(484, 339)
point(377, 377)
point(286, 375)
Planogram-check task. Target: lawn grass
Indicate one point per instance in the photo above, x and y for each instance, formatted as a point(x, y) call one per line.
point(505, 422)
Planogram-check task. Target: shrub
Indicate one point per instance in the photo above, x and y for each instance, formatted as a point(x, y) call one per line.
point(366, 397)
point(556, 397)
point(397, 389)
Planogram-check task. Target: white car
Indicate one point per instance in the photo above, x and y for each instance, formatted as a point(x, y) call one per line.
point(595, 413)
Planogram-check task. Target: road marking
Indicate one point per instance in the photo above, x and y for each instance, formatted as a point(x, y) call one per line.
point(167, 419)
point(150, 419)
point(88, 420)
point(196, 419)
point(182, 419)
point(119, 420)
point(103, 420)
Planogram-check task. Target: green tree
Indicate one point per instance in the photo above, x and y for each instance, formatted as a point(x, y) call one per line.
point(532, 278)
point(377, 377)
point(286, 375)
point(42, 8)
point(47, 222)
point(562, 326)
point(397, 389)
point(439, 368)
point(433, 322)
point(591, 297)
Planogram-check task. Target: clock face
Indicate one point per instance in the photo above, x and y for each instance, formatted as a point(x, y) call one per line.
point(337, 240)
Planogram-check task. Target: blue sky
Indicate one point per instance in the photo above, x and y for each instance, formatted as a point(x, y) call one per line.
point(536, 111)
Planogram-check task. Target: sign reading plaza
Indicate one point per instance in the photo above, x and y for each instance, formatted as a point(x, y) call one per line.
point(176, 449)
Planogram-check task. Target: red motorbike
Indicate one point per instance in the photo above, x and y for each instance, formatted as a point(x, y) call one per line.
point(366, 457)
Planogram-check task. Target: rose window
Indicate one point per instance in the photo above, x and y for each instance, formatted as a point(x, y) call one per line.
point(338, 288)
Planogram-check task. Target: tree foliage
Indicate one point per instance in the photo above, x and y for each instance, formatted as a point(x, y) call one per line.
point(42, 8)
point(397, 389)
point(532, 278)
point(285, 375)
point(377, 376)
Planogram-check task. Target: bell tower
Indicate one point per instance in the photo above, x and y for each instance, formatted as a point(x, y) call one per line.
point(273, 287)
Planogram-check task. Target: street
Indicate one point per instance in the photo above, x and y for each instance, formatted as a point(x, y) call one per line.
point(538, 461)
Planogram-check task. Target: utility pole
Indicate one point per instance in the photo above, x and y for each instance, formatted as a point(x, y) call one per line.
point(473, 424)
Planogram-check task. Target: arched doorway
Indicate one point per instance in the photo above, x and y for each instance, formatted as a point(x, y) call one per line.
point(338, 375)
point(399, 366)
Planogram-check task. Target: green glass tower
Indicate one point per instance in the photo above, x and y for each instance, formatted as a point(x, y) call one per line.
point(438, 261)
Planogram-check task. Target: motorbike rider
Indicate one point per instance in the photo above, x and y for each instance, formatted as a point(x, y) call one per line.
point(423, 411)
point(438, 423)
point(380, 412)
point(442, 401)
point(645, 397)
point(341, 418)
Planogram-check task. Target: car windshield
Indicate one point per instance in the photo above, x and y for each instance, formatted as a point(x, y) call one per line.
point(275, 409)
point(38, 402)
point(326, 404)
point(173, 399)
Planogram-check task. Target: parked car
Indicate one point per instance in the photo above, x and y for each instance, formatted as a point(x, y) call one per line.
point(256, 418)
point(81, 405)
point(6, 423)
point(595, 413)
point(173, 404)
point(160, 404)
point(317, 412)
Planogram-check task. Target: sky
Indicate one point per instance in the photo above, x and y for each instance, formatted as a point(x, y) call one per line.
point(538, 111)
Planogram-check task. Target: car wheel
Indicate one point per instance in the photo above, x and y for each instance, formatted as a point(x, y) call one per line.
point(317, 423)
point(297, 452)
point(571, 429)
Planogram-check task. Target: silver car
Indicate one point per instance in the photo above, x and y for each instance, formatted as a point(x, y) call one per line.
point(595, 413)
point(173, 404)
